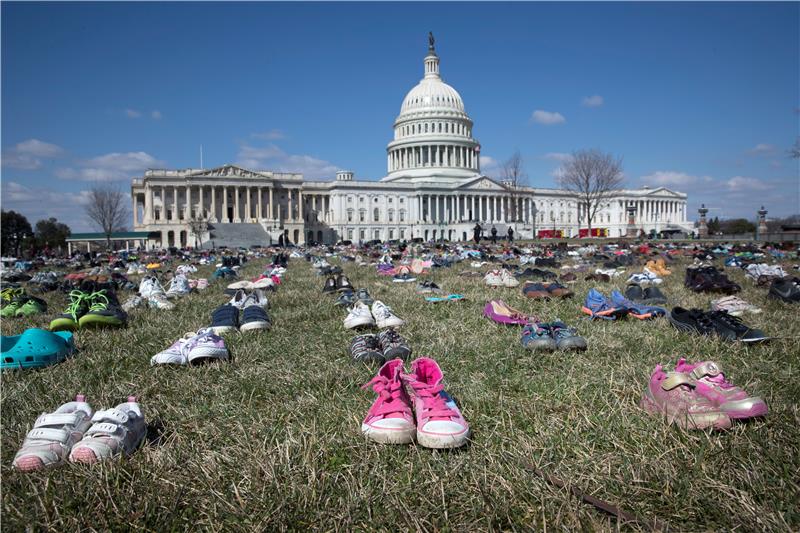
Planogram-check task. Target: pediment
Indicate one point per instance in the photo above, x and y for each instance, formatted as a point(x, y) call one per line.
point(663, 192)
point(483, 184)
point(227, 171)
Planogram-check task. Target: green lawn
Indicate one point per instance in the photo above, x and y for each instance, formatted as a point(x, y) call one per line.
point(272, 440)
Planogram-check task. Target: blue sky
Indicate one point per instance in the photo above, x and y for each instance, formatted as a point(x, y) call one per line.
point(701, 98)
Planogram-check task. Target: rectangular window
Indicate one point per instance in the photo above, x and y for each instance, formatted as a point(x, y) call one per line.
point(361, 234)
point(361, 216)
point(350, 234)
point(402, 234)
point(391, 234)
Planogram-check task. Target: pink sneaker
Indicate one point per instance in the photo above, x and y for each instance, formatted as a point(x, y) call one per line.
point(674, 396)
point(439, 422)
point(710, 382)
point(389, 420)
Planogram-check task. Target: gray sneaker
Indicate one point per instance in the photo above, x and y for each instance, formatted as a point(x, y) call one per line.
point(566, 337)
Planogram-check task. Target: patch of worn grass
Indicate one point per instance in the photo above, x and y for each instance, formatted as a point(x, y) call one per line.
point(272, 440)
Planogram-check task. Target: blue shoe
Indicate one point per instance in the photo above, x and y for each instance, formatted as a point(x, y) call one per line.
point(640, 311)
point(537, 338)
point(565, 337)
point(35, 348)
point(598, 306)
point(225, 318)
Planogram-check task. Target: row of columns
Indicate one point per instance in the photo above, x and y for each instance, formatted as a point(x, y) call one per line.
point(434, 155)
point(448, 208)
point(660, 210)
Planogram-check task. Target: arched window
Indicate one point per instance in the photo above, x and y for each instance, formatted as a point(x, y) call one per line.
point(376, 214)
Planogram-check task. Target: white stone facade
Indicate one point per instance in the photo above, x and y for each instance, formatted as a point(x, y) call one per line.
point(433, 189)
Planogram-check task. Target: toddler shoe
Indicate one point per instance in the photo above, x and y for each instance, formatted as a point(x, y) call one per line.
point(205, 346)
point(366, 348)
point(359, 315)
point(393, 345)
point(536, 338)
point(114, 432)
point(174, 355)
point(53, 436)
point(384, 317)
point(566, 338)
point(711, 383)
point(389, 419)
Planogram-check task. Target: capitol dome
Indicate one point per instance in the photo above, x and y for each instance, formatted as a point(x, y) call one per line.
point(433, 133)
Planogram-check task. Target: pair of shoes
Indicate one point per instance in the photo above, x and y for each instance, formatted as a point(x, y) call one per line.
point(500, 278)
point(552, 336)
point(428, 287)
point(709, 279)
point(698, 396)
point(734, 306)
point(225, 318)
point(380, 314)
point(646, 277)
point(568, 277)
point(786, 290)
point(637, 309)
point(719, 323)
point(90, 309)
point(502, 313)
point(385, 346)
point(348, 298)
point(76, 433)
point(598, 306)
point(35, 348)
point(545, 291)
point(339, 283)
point(647, 295)
point(194, 348)
point(150, 289)
point(434, 420)
point(244, 299)
point(22, 304)
point(178, 287)
point(263, 283)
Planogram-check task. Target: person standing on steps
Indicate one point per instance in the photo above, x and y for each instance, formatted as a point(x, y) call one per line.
point(476, 233)
point(511, 235)
point(494, 235)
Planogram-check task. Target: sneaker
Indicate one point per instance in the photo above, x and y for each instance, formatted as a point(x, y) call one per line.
point(635, 309)
point(404, 278)
point(224, 319)
point(734, 306)
point(536, 291)
point(31, 306)
point(786, 290)
point(558, 290)
point(712, 384)
point(393, 346)
point(359, 315)
point(343, 284)
point(732, 328)
point(179, 286)
point(159, 300)
point(508, 279)
point(132, 303)
point(363, 296)
point(254, 317)
point(428, 287)
point(366, 348)
point(114, 432)
point(673, 395)
point(239, 299)
point(439, 421)
point(330, 286)
point(493, 278)
point(691, 321)
point(389, 419)
point(536, 338)
point(566, 337)
point(384, 317)
point(598, 306)
point(77, 307)
point(104, 310)
point(206, 346)
point(346, 299)
point(654, 296)
point(53, 436)
point(174, 355)
point(256, 297)
point(10, 309)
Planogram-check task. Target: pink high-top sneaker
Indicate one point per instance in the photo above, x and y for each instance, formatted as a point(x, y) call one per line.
point(439, 422)
point(673, 395)
point(389, 420)
point(711, 383)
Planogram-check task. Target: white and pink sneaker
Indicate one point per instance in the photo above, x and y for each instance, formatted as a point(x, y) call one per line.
point(114, 432)
point(389, 420)
point(439, 421)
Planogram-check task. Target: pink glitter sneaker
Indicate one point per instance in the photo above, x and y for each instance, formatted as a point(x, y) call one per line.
point(674, 396)
point(439, 422)
point(710, 382)
point(389, 420)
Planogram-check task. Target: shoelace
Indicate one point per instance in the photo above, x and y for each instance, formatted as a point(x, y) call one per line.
point(389, 392)
point(76, 300)
point(728, 319)
point(98, 301)
point(434, 404)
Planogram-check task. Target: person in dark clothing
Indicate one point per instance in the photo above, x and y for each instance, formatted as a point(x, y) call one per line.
point(280, 240)
point(510, 234)
point(494, 235)
point(476, 233)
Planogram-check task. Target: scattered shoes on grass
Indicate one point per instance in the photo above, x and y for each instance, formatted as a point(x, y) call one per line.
point(385, 346)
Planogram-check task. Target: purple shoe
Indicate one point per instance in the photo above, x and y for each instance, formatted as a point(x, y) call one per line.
point(205, 346)
point(711, 383)
point(502, 313)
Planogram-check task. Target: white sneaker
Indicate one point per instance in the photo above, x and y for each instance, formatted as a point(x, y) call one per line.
point(244, 284)
point(159, 301)
point(384, 317)
point(508, 279)
point(359, 315)
point(239, 299)
point(493, 278)
point(179, 286)
point(114, 432)
point(256, 297)
point(174, 355)
point(132, 303)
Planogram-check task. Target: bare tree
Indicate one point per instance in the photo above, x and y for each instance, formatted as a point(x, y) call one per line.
point(514, 177)
point(107, 208)
point(591, 175)
point(794, 151)
point(198, 226)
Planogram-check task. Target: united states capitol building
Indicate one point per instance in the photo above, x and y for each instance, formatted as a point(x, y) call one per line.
point(433, 189)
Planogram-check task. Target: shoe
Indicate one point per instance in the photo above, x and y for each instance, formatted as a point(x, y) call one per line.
point(734, 306)
point(366, 348)
point(508, 279)
point(256, 297)
point(205, 346)
point(10, 309)
point(502, 313)
point(673, 396)
point(654, 296)
point(598, 306)
point(635, 309)
point(428, 287)
point(566, 337)
point(330, 286)
point(393, 346)
point(384, 317)
point(389, 419)
point(403, 278)
point(568, 277)
point(174, 355)
point(493, 278)
point(132, 303)
point(439, 421)
point(254, 317)
point(732, 328)
point(35, 348)
point(239, 299)
point(536, 338)
point(224, 319)
point(104, 310)
point(346, 299)
point(179, 286)
point(363, 296)
point(359, 315)
point(53, 436)
point(159, 300)
point(536, 291)
point(114, 432)
point(786, 290)
point(558, 290)
point(343, 284)
point(31, 306)
point(691, 321)
point(77, 307)
point(711, 383)
point(634, 292)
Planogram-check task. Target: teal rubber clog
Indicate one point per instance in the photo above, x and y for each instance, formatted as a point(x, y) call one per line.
point(35, 348)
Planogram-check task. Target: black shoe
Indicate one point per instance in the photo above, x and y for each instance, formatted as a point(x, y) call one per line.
point(785, 289)
point(330, 286)
point(691, 321)
point(393, 345)
point(254, 317)
point(104, 310)
point(634, 293)
point(224, 318)
point(343, 284)
point(366, 348)
point(527, 273)
point(730, 327)
point(654, 296)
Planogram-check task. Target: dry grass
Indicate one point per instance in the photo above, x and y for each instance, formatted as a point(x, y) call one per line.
point(272, 441)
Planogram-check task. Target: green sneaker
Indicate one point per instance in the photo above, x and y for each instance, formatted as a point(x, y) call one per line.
point(104, 310)
point(10, 310)
point(32, 306)
point(10, 294)
point(78, 306)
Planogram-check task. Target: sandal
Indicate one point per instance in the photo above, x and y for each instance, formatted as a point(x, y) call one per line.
point(114, 431)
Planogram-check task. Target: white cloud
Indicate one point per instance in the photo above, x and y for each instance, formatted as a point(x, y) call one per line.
point(271, 157)
point(38, 203)
point(561, 157)
point(133, 113)
point(662, 178)
point(592, 101)
point(489, 165)
point(761, 149)
point(548, 118)
point(271, 135)
point(109, 167)
point(28, 155)
point(743, 183)
point(155, 114)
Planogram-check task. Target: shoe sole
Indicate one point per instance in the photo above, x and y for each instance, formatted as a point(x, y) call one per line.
point(442, 442)
point(389, 436)
point(542, 346)
point(219, 354)
point(223, 329)
point(361, 322)
point(91, 321)
point(63, 324)
point(258, 324)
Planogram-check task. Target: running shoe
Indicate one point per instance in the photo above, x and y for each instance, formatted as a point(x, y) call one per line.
point(358, 316)
point(104, 310)
point(384, 316)
point(31, 306)
point(366, 348)
point(69, 319)
point(537, 338)
point(206, 346)
point(566, 338)
point(393, 345)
